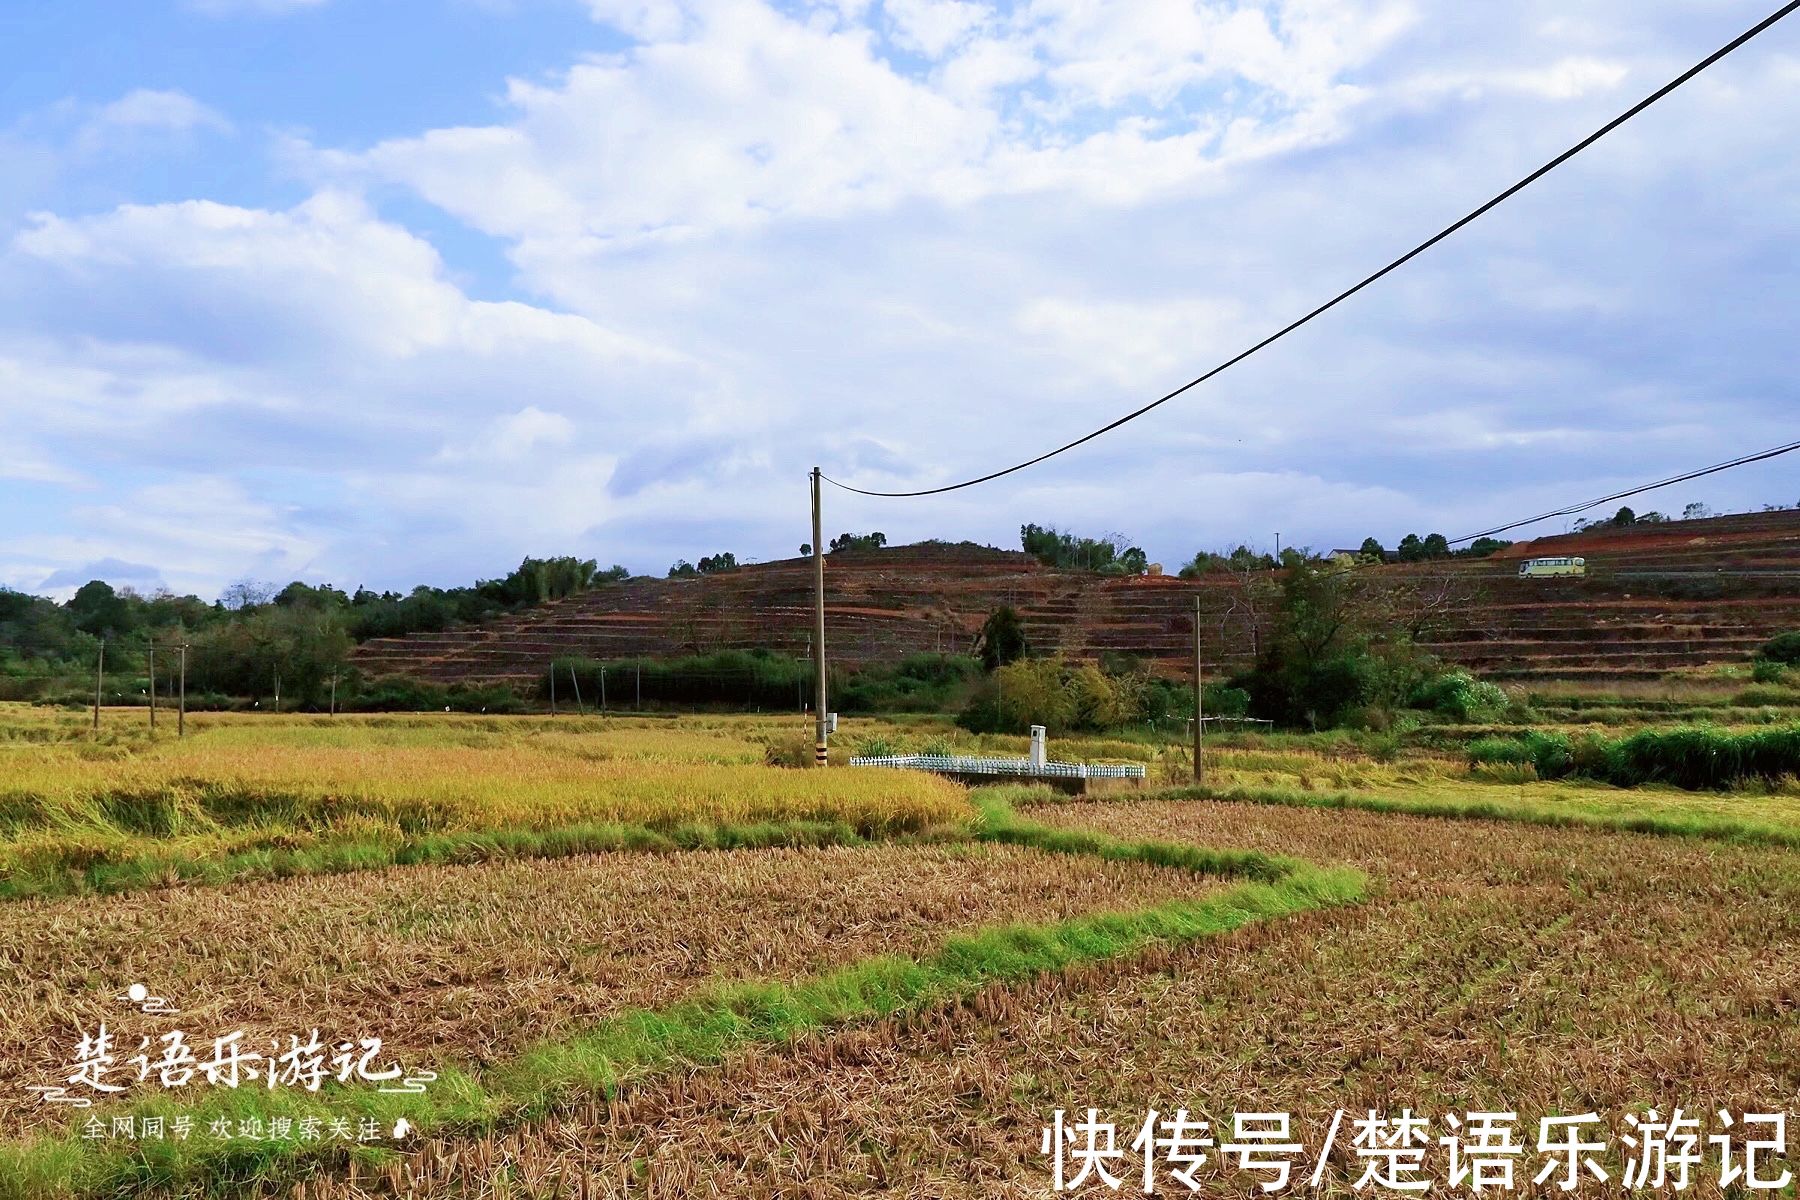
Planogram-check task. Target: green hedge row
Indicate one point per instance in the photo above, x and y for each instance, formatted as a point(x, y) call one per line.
point(1696, 758)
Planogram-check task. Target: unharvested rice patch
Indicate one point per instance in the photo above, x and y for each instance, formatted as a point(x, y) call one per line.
point(1497, 966)
point(468, 965)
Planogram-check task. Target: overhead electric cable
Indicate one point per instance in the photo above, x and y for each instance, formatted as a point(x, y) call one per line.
point(1743, 38)
point(1575, 508)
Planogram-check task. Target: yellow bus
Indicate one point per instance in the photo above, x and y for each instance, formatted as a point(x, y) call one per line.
point(1541, 567)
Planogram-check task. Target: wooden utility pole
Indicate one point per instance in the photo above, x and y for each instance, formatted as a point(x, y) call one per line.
point(181, 712)
point(153, 685)
point(99, 682)
point(818, 549)
point(1199, 704)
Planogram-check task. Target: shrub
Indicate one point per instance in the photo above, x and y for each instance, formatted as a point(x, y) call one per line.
point(1696, 758)
point(1782, 648)
point(1491, 751)
point(795, 752)
point(1548, 754)
point(1768, 670)
point(1458, 695)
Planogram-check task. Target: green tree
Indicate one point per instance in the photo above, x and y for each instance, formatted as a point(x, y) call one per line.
point(1002, 639)
point(723, 561)
point(97, 609)
point(1435, 545)
point(1411, 548)
point(856, 542)
point(1371, 550)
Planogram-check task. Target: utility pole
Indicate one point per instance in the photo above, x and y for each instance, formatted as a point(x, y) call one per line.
point(553, 687)
point(334, 675)
point(181, 712)
point(603, 689)
point(1199, 705)
point(818, 549)
point(99, 682)
point(640, 685)
point(577, 682)
point(1278, 548)
point(152, 685)
point(278, 691)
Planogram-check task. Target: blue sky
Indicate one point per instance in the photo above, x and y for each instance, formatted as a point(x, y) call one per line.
point(393, 291)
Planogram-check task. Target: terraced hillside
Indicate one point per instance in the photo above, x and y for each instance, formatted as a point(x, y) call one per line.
point(1656, 597)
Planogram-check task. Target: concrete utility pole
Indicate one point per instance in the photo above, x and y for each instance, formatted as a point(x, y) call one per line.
point(553, 687)
point(99, 682)
point(334, 692)
point(818, 549)
point(1199, 705)
point(181, 712)
point(153, 686)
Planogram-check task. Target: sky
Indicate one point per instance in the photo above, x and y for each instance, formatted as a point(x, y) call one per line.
point(388, 292)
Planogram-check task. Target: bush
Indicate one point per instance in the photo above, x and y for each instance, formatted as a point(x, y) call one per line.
point(396, 694)
point(1782, 648)
point(1063, 697)
point(1768, 670)
point(793, 752)
point(1458, 695)
point(1696, 758)
point(1495, 751)
point(917, 683)
point(1548, 754)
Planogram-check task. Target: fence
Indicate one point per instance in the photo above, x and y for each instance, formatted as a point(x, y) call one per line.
point(962, 764)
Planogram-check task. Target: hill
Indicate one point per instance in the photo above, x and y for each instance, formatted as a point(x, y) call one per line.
point(1656, 597)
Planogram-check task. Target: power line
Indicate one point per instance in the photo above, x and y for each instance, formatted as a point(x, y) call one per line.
point(1755, 30)
point(1575, 508)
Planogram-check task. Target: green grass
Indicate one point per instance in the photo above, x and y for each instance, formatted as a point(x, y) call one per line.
point(1697, 757)
point(1660, 813)
point(700, 1031)
point(122, 865)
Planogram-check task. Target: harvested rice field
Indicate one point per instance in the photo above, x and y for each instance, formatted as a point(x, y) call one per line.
point(640, 957)
point(1493, 966)
point(469, 965)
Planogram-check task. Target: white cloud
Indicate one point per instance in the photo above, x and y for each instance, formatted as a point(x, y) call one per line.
point(1137, 344)
point(729, 114)
point(933, 26)
point(912, 242)
point(167, 110)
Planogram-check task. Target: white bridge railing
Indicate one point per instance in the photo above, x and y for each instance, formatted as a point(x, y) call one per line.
point(962, 764)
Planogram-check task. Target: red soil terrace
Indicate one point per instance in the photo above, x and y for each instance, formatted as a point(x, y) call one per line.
point(1657, 597)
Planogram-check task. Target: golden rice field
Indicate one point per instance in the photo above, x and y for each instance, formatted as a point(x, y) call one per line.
point(642, 959)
